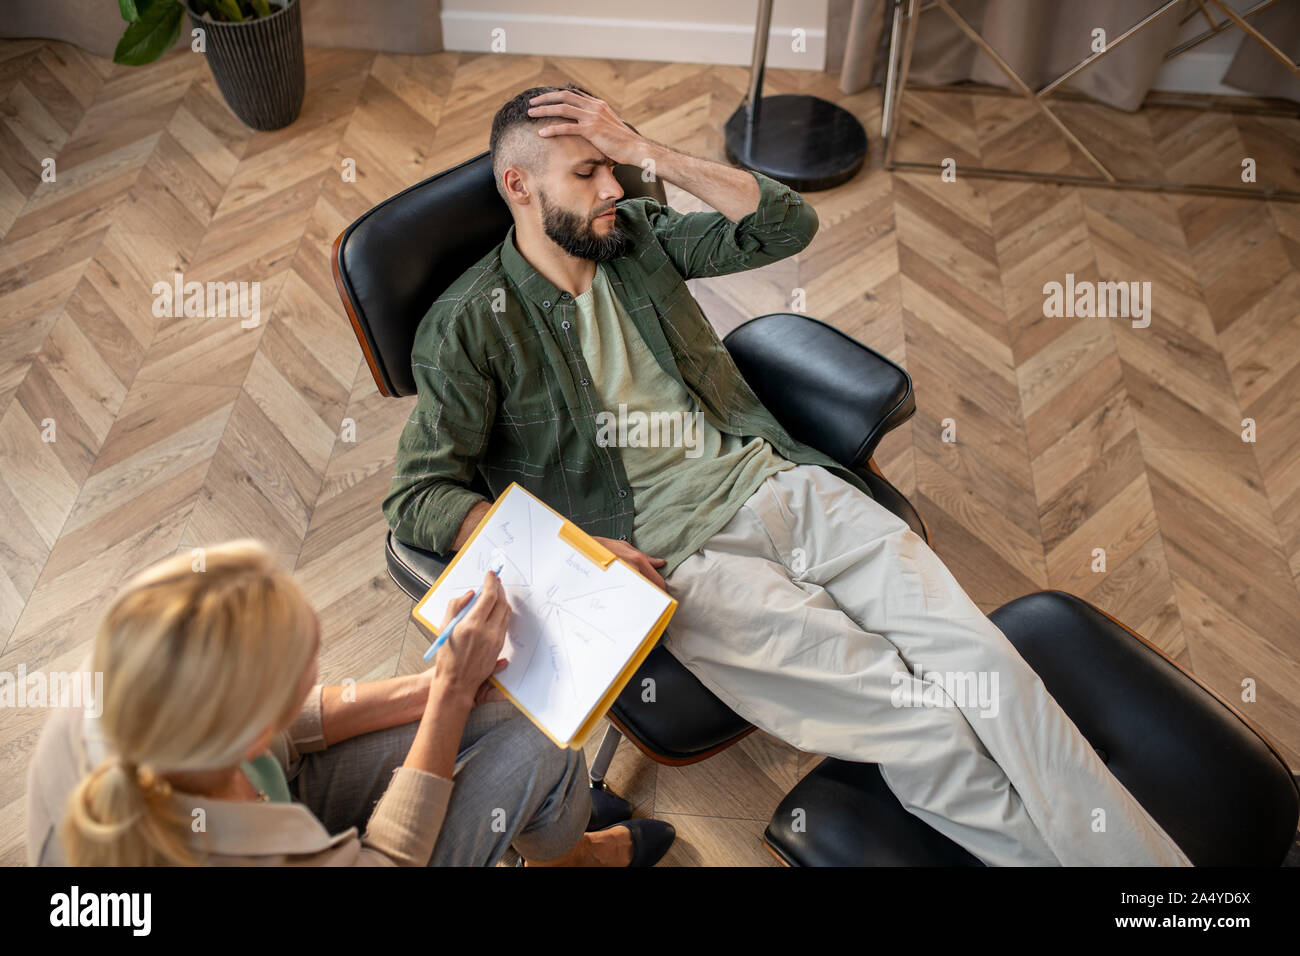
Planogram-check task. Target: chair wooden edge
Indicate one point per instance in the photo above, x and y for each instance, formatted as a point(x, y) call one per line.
point(872, 441)
point(871, 463)
point(780, 858)
point(346, 299)
point(1200, 683)
point(676, 761)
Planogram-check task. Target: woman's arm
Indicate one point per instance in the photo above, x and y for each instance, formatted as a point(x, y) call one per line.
point(406, 822)
point(349, 711)
point(437, 741)
point(373, 705)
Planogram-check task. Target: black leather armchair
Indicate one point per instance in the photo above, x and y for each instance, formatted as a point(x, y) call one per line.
point(1215, 783)
point(838, 396)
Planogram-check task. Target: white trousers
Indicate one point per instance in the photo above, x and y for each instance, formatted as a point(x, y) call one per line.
point(808, 614)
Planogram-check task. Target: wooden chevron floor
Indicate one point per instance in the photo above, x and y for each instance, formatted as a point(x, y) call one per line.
point(1071, 434)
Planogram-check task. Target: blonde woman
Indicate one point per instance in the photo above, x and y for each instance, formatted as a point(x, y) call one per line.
point(214, 744)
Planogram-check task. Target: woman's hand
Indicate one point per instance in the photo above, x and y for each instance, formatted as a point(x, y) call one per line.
point(472, 654)
point(461, 667)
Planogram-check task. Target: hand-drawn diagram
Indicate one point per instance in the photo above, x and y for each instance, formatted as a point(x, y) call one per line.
point(573, 626)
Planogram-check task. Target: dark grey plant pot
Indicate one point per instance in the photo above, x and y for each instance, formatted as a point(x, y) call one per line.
point(258, 64)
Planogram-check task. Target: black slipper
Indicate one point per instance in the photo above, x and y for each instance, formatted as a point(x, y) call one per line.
point(607, 808)
point(650, 839)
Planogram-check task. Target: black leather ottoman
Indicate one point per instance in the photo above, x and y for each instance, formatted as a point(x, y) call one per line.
point(1197, 765)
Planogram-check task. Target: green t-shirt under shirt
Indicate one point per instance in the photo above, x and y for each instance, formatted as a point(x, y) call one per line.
point(266, 774)
point(688, 478)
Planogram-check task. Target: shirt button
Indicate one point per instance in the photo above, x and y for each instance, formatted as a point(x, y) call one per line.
point(622, 492)
point(564, 325)
point(584, 381)
point(622, 537)
point(564, 295)
point(546, 303)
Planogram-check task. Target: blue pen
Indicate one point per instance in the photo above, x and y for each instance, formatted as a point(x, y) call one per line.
point(446, 631)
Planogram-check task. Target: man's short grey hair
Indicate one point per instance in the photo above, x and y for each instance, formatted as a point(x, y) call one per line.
point(514, 140)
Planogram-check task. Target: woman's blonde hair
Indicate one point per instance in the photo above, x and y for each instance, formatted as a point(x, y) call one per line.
point(200, 654)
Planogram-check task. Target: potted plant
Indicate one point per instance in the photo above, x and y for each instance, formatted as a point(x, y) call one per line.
point(253, 47)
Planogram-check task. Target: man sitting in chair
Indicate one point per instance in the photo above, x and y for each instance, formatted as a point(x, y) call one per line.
point(804, 605)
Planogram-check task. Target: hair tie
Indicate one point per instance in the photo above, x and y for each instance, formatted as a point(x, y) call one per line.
point(128, 766)
point(152, 781)
point(145, 777)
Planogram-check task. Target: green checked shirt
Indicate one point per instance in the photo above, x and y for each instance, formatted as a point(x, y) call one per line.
point(504, 387)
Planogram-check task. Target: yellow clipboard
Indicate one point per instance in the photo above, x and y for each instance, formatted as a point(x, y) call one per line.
point(600, 556)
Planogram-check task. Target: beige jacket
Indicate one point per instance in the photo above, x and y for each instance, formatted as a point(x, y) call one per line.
point(401, 831)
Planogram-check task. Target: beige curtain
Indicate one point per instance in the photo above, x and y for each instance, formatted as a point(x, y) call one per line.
point(1041, 40)
point(394, 26)
point(1256, 70)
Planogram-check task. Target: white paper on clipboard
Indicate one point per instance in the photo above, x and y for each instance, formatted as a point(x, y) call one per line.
point(573, 626)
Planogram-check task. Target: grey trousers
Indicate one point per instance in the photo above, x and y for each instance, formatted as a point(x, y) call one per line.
point(512, 787)
point(810, 613)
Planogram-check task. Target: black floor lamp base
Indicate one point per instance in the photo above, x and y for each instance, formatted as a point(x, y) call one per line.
point(805, 142)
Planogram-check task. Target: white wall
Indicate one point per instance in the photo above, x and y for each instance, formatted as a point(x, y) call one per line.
point(681, 31)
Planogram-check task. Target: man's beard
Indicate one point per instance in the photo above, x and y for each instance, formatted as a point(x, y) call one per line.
point(577, 235)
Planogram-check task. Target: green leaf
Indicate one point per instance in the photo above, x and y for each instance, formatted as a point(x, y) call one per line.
point(260, 7)
point(223, 11)
point(152, 35)
point(133, 10)
point(229, 9)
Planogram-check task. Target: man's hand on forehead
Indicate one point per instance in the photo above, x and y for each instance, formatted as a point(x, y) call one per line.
point(593, 120)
